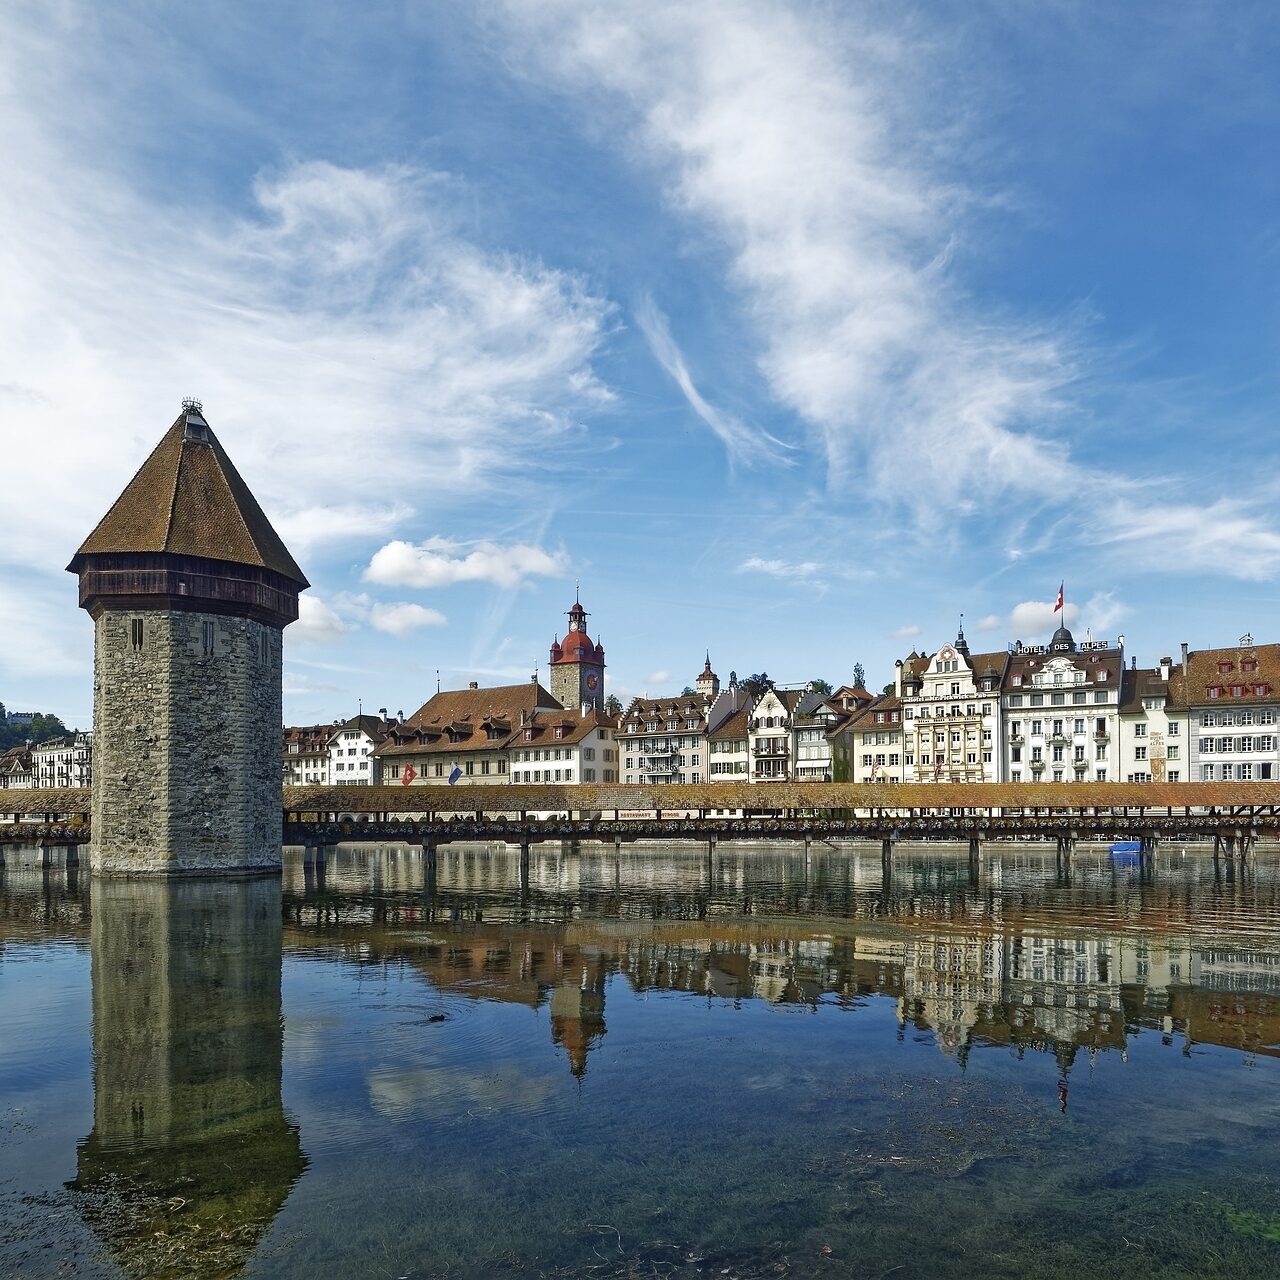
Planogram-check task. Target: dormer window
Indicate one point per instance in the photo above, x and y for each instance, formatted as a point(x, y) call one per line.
point(1237, 690)
point(559, 731)
point(528, 735)
point(1017, 680)
point(1223, 668)
point(1261, 690)
point(1248, 664)
point(1212, 691)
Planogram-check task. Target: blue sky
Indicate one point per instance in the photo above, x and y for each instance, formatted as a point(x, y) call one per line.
point(793, 331)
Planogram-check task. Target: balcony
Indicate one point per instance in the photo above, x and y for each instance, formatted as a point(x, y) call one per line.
point(1101, 735)
point(1037, 766)
point(771, 750)
point(1059, 740)
point(1016, 739)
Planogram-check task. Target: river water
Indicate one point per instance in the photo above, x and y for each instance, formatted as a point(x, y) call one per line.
point(664, 1064)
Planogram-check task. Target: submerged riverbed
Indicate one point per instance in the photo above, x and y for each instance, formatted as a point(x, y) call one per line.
point(753, 1064)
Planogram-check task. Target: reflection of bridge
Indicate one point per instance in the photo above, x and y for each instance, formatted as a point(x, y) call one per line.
point(1233, 815)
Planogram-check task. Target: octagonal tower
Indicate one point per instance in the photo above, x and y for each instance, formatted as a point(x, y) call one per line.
point(189, 588)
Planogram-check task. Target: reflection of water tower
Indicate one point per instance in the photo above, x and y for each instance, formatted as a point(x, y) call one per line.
point(189, 1133)
point(577, 1012)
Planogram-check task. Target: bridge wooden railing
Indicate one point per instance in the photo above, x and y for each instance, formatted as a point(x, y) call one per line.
point(1258, 801)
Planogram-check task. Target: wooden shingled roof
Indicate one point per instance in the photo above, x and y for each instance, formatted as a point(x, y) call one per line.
point(188, 499)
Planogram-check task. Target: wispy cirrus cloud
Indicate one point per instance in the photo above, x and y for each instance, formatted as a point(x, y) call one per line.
point(774, 568)
point(743, 445)
point(800, 140)
point(442, 562)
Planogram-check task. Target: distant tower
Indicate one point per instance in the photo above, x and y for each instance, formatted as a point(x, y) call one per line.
point(708, 683)
point(577, 665)
point(189, 588)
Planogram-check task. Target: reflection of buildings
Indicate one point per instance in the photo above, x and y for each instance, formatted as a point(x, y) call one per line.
point(189, 1133)
point(1016, 962)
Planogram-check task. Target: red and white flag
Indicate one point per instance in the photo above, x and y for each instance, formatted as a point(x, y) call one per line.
point(408, 776)
point(1058, 606)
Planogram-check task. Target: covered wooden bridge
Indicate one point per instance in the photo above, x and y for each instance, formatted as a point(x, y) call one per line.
point(1232, 815)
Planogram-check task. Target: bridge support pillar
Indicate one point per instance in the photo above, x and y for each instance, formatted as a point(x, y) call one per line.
point(975, 849)
point(1, 855)
point(886, 847)
point(46, 854)
point(73, 855)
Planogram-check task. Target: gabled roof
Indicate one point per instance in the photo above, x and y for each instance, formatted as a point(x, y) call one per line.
point(735, 725)
point(1203, 674)
point(475, 706)
point(374, 727)
point(1146, 682)
point(188, 499)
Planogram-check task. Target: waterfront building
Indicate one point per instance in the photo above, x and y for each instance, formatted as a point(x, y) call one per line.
point(664, 739)
point(1061, 705)
point(64, 761)
point(951, 719)
point(189, 588)
point(772, 734)
point(17, 769)
point(306, 754)
point(577, 665)
point(351, 747)
point(876, 741)
point(569, 746)
point(728, 736)
point(460, 735)
point(1232, 697)
point(1153, 737)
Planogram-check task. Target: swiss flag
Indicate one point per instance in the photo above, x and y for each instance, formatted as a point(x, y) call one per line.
point(408, 775)
point(1058, 606)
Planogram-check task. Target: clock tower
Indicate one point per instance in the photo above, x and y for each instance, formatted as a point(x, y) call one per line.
point(577, 665)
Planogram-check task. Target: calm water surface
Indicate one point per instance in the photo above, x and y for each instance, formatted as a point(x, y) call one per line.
point(749, 1065)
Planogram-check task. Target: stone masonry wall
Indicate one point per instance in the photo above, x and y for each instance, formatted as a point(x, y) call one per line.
point(186, 752)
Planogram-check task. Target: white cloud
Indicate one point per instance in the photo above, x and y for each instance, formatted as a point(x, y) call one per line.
point(442, 562)
point(353, 347)
point(657, 677)
point(779, 568)
point(905, 633)
point(1034, 618)
point(402, 617)
point(318, 622)
point(816, 149)
point(990, 623)
point(741, 443)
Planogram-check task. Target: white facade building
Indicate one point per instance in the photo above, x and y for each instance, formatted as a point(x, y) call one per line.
point(1153, 738)
point(66, 761)
point(1233, 701)
point(951, 715)
point(1061, 707)
point(351, 746)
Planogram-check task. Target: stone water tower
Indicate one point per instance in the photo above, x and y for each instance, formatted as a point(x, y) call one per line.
point(189, 588)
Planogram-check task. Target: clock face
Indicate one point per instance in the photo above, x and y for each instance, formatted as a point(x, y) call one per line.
point(592, 681)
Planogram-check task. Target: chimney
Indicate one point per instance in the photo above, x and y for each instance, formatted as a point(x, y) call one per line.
point(382, 713)
point(473, 684)
point(399, 715)
point(586, 710)
point(1166, 666)
point(1186, 688)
